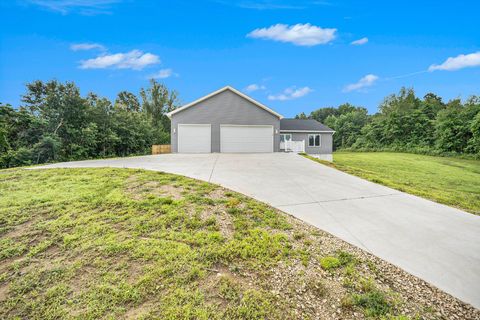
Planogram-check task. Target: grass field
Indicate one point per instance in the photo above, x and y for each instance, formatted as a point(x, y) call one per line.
point(132, 244)
point(451, 181)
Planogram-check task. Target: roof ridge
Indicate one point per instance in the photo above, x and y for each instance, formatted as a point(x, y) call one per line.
point(232, 89)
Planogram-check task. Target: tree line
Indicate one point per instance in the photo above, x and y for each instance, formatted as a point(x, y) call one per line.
point(56, 123)
point(407, 123)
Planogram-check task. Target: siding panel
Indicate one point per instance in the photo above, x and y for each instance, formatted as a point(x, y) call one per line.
point(325, 145)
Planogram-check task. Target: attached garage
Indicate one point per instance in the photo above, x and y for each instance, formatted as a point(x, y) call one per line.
point(225, 121)
point(229, 121)
point(246, 138)
point(194, 138)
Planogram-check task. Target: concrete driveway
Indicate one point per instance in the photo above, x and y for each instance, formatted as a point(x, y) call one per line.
point(434, 242)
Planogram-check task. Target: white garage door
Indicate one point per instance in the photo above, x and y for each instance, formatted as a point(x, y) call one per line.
point(246, 138)
point(194, 138)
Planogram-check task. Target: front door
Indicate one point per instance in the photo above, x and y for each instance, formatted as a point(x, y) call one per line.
point(284, 137)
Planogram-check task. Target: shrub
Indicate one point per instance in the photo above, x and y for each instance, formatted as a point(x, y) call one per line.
point(20, 157)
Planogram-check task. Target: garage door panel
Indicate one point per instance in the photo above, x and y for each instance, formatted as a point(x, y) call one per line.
point(246, 138)
point(194, 138)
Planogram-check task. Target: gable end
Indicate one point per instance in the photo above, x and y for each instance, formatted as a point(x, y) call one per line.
point(256, 103)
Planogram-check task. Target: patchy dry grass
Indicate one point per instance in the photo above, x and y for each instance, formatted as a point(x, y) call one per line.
point(132, 244)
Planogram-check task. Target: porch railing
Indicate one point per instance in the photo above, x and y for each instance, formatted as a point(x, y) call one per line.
point(295, 146)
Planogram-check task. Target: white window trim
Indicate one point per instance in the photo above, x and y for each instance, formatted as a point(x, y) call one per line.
point(285, 134)
point(320, 140)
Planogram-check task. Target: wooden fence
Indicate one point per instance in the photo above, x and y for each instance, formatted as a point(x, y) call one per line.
point(161, 148)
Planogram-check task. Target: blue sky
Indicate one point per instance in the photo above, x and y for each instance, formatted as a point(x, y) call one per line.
point(293, 56)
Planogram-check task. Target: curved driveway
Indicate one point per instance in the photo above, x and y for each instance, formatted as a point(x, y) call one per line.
point(431, 241)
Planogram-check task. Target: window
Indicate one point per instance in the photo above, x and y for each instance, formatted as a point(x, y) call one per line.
point(314, 140)
point(285, 137)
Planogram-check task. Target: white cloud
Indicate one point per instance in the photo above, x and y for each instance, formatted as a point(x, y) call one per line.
point(291, 93)
point(86, 46)
point(299, 34)
point(162, 74)
point(254, 87)
point(85, 7)
point(359, 42)
point(459, 62)
point(134, 59)
point(364, 82)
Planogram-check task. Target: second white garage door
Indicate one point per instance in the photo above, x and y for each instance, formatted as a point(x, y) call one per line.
point(237, 138)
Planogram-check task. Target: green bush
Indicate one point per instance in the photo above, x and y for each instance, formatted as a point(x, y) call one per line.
point(20, 157)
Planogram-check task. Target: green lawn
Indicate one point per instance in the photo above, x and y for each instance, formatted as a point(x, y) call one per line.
point(133, 244)
point(451, 181)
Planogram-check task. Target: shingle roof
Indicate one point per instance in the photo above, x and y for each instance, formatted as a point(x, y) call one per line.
point(302, 125)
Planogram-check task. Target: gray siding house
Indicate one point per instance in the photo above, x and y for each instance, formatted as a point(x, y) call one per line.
point(229, 121)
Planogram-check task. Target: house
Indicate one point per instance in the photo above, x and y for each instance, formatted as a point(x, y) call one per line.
point(229, 121)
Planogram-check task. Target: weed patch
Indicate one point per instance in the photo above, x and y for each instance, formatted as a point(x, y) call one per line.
point(374, 303)
point(329, 263)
